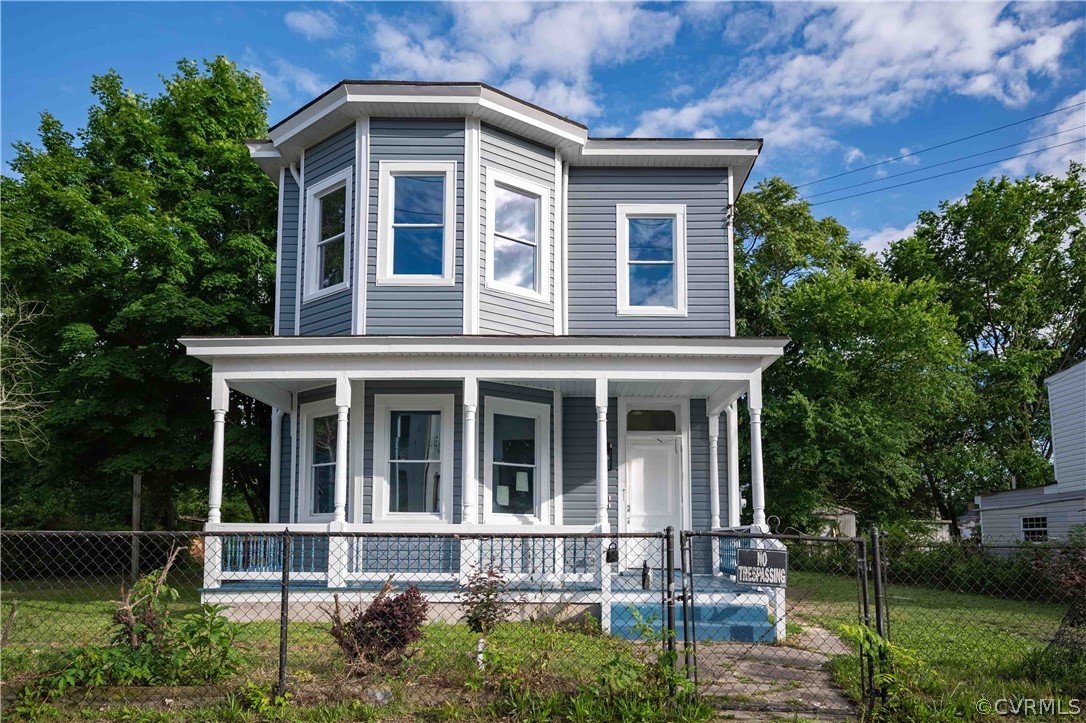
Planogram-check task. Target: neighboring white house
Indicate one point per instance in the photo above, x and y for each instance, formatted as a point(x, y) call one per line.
point(1036, 514)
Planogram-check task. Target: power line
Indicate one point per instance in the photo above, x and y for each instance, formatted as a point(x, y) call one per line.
point(949, 173)
point(944, 163)
point(943, 145)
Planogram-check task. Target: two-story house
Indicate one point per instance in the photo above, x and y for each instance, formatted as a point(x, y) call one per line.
point(487, 321)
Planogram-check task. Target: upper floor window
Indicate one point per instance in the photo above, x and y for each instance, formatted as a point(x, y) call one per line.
point(517, 237)
point(328, 230)
point(651, 260)
point(416, 233)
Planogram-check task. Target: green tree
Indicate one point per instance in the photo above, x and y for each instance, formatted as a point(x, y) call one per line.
point(1010, 261)
point(149, 224)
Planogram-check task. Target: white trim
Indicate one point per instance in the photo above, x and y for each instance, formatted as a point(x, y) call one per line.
point(497, 177)
point(472, 159)
point(360, 267)
point(559, 244)
point(313, 196)
point(356, 454)
point(385, 404)
point(309, 412)
point(299, 180)
point(564, 247)
point(731, 253)
point(681, 405)
point(295, 438)
point(541, 414)
point(279, 251)
point(558, 490)
point(274, 464)
point(386, 196)
point(623, 212)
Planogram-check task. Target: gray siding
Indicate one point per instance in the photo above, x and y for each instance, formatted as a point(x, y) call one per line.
point(1001, 514)
point(1067, 407)
point(524, 394)
point(284, 470)
point(579, 461)
point(415, 309)
point(287, 283)
point(501, 313)
point(329, 314)
point(593, 195)
point(411, 387)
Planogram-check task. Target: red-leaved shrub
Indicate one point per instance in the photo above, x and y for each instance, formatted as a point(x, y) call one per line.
point(383, 630)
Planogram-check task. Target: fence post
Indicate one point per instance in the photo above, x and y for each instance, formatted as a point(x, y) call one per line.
point(284, 617)
point(867, 668)
point(669, 570)
point(879, 600)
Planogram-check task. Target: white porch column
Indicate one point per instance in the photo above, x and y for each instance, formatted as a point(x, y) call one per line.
point(714, 471)
point(734, 501)
point(601, 456)
point(470, 453)
point(757, 483)
point(220, 400)
point(343, 408)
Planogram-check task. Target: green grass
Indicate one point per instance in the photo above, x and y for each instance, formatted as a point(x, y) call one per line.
point(980, 646)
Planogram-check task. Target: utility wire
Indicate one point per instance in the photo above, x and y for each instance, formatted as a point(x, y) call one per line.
point(949, 173)
point(944, 163)
point(943, 145)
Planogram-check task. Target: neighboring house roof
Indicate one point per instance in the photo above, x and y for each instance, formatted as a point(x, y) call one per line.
point(348, 100)
point(1025, 497)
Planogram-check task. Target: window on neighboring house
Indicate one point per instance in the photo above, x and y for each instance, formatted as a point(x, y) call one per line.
point(1035, 529)
point(518, 453)
point(328, 225)
point(516, 235)
point(413, 456)
point(417, 223)
point(651, 260)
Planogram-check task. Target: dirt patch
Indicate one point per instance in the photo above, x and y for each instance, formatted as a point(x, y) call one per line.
point(791, 677)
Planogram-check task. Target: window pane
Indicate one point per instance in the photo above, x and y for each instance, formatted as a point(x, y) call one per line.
point(419, 199)
point(651, 420)
point(514, 214)
point(333, 212)
point(415, 487)
point(652, 285)
point(652, 239)
point(418, 251)
point(514, 263)
point(331, 263)
point(514, 439)
point(514, 490)
point(416, 436)
point(324, 486)
point(324, 440)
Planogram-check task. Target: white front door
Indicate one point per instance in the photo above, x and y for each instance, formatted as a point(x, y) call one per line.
point(653, 492)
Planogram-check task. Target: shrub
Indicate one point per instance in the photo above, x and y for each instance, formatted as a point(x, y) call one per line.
point(485, 600)
point(384, 629)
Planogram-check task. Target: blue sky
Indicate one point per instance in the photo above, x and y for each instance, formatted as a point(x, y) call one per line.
point(831, 88)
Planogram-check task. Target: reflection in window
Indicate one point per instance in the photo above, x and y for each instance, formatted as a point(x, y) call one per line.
point(418, 225)
point(652, 261)
point(516, 247)
point(322, 466)
point(332, 237)
point(415, 462)
point(651, 420)
point(514, 470)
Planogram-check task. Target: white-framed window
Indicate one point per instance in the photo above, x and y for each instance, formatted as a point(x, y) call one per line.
point(651, 259)
point(319, 429)
point(416, 223)
point(516, 474)
point(413, 457)
point(1035, 529)
point(517, 235)
point(328, 235)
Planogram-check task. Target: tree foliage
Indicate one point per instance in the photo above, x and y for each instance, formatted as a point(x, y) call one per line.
point(149, 224)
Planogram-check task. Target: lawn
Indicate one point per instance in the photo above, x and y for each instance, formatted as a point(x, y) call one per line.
point(980, 646)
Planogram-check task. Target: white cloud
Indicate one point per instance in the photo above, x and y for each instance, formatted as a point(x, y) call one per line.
point(1053, 160)
point(863, 63)
point(313, 24)
point(853, 155)
point(878, 241)
point(282, 79)
point(547, 52)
